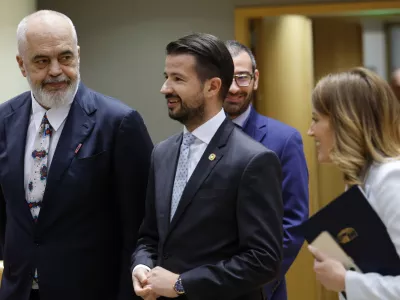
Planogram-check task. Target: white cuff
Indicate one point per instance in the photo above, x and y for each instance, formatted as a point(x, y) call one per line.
point(141, 266)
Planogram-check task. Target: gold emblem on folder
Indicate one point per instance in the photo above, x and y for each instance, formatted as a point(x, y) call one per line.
point(346, 235)
point(212, 156)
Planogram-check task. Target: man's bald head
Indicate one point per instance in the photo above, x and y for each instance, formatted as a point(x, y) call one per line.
point(44, 22)
point(49, 57)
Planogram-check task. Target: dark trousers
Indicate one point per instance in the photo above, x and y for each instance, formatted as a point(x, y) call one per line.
point(34, 295)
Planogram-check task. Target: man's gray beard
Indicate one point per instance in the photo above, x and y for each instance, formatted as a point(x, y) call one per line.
point(54, 98)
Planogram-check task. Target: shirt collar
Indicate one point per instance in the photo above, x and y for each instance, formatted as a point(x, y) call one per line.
point(241, 120)
point(206, 131)
point(55, 115)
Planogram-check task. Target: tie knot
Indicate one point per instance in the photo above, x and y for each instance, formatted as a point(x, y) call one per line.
point(188, 139)
point(45, 127)
point(45, 120)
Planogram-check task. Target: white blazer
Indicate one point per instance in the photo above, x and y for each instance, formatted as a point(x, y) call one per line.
point(382, 187)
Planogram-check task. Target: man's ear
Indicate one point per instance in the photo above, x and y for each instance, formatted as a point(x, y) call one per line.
point(21, 65)
point(78, 58)
point(212, 87)
point(256, 77)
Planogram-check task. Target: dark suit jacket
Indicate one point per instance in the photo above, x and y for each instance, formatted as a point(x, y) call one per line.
point(287, 143)
point(225, 238)
point(92, 206)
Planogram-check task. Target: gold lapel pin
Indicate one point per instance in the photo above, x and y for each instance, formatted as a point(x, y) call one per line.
point(212, 156)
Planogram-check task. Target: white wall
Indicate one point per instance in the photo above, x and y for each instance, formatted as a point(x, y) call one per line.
point(122, 44)
point(11, 13)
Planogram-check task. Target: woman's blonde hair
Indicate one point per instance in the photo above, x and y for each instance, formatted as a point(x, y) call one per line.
point(365, 117)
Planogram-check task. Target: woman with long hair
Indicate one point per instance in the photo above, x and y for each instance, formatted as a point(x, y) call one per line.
point(356, 126)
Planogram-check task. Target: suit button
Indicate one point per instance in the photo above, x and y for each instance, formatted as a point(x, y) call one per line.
point(166, 256)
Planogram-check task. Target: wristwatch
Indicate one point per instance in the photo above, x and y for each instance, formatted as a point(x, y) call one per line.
point(178, 286)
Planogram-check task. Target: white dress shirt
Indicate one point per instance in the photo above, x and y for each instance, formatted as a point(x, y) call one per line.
point(382, 186)
point(203, 134)
point(241, 119)
point(56, 117)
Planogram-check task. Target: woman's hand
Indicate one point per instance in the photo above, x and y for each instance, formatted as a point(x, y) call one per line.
point(330, 272)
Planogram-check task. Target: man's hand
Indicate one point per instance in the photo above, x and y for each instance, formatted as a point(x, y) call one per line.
point(330, 272)
point(162, 281)
point(140, 283)
point(150, 296)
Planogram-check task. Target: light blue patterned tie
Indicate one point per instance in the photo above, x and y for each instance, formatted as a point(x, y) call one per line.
point(181, 171)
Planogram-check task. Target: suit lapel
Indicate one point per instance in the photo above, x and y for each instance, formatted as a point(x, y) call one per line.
point(255, 126)
point(78, 125)
point(16, 127)
point(204, 168)
point(165, 185)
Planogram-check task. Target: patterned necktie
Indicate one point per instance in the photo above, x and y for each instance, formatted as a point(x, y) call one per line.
point(38, 177)
point(181, 171)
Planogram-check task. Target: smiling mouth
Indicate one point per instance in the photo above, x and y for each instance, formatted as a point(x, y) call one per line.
point(172, 103)
point(235, 97)
point(56, 84)
point(235, 100)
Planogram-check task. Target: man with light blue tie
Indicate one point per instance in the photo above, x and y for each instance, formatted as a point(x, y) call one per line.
point(213, 222)
point(285, 141)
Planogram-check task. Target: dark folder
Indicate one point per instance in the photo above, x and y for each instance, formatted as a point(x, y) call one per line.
point(358, 229)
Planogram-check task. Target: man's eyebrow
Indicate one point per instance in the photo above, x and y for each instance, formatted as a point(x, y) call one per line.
point(66, 52)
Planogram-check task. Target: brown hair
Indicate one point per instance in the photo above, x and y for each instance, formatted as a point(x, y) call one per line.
point(365, 117)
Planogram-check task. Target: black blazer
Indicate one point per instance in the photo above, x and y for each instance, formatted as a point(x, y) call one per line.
point(225, 238)
point(92, 206)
